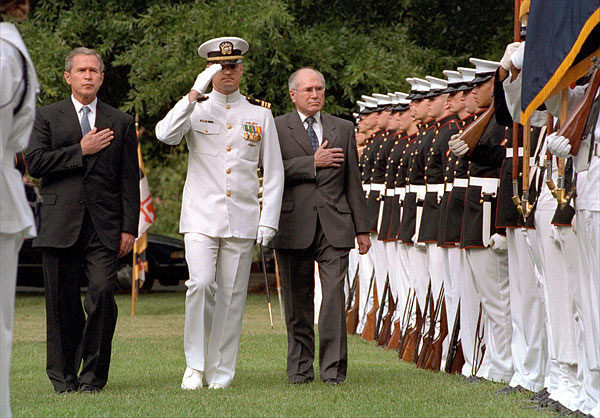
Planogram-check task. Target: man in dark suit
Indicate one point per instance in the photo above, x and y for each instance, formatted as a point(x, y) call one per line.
point(85, 153)
point(322, 213)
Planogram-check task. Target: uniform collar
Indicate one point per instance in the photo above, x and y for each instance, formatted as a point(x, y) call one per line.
point(225, 98)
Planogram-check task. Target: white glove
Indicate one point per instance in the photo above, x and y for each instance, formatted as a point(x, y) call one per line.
point(420, 245)
point(558, 145)
point(517, 56)
point(204, 78)
point(265, 235)
point(498, 243)
point(510, 49)
point(458, 146)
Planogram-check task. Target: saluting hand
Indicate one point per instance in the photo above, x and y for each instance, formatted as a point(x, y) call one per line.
point(95, 141)
point(328, 157)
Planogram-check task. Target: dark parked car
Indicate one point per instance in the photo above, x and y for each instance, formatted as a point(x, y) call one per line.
point(165, 255)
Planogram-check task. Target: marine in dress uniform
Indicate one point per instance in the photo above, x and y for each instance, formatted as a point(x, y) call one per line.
point(228, 136)
point(485, 246)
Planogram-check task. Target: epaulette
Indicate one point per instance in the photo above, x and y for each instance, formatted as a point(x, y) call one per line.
point(258, 102)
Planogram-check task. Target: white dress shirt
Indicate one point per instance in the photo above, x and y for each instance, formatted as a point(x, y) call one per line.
point(91, 114)
point(317, 125)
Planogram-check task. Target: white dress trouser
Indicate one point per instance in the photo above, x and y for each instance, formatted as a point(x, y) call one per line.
point(560, 264)
point(488, 270)
point(394, 272)
point(214, 304)
point(10, 244)
point(435, 259)
point(419, 273)
point(469, 312)
point(404, 284)
point(380, 263)
point(528, 344)
point(451, 271)
point(588, 234)
point(365, 271)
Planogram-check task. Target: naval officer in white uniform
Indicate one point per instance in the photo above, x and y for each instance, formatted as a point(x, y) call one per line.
point(228, 136)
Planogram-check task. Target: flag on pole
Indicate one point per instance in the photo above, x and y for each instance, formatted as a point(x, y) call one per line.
point(147, 217)
point(562, 36)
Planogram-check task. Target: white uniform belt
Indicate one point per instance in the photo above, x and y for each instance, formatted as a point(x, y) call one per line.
point(461, 183)
point(448, 187)
point(377, 187)
point(380, 217)
point(366, 188)
point(390, 192)
point(488, 185)
point(509, 152)
point(436, 188)
point(400, 191)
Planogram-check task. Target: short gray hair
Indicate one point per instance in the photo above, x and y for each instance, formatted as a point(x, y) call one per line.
point(293, 80)
point(82, 51)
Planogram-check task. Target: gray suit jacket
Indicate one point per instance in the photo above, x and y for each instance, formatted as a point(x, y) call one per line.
point(333, 194)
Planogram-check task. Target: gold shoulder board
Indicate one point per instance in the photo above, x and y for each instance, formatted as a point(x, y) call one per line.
point(258, 102)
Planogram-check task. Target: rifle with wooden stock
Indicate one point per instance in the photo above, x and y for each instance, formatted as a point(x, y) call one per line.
point(434, 360)
point(368, 332)
point(396, 334)
point(412, 337)
point(386, 328)
point(473, 133)
point(428, 339)
point(352, 310)
point(386, 289)
point(478, 346)
point(421, 325)
point(406, 316)
point(456, 358)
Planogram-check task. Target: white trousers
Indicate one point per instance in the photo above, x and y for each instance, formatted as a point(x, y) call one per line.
point(450, 272)
point(404, 285)
point(394, 272)
point(435, 260)
point(588, 234)
point(380, 263)
point(214, 304)
point(557, 247)
point(10, 244)
point(528, 344)
point(365, 271)
point(488, 270)
point(419, 273)
point(469, 312)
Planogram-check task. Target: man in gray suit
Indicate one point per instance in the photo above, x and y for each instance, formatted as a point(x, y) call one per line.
point(322, 213)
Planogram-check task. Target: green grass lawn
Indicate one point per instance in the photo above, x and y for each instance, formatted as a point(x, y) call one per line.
point(148, 363)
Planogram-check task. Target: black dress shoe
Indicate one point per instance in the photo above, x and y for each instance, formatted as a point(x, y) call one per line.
point(87, 388)
point(333, 382)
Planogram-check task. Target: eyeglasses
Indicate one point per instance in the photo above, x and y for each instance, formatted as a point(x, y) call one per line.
point(318, 90)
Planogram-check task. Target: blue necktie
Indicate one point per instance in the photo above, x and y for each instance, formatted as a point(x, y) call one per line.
point(85, 122)
point(312, 135)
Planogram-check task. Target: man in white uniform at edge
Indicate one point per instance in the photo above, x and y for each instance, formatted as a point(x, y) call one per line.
point(228, 136)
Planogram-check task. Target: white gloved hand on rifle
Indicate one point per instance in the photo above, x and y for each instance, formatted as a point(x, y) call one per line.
point(265, 234)
point(205, 77)
point(510, 49)
point(558, 145)
point(518, 56)
point(458, 146)
point(497, 243)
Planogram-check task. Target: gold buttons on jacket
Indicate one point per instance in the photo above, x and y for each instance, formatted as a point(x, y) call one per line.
point(228, 194)
point(227, 106)
point(228, 149)
point(228, 171)
point(228, 126)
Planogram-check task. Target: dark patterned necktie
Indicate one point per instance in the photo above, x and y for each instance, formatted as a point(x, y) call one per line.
point(85, 122)
point(312, 135)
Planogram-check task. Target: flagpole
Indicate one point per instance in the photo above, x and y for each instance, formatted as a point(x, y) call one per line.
point(133, 282)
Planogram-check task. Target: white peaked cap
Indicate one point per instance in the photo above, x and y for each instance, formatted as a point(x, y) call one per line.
point(468, 74)
point(395, 100)
point(453, 76)
point(437, 83)
point(371, 102)
point(361, 105)
point(422, 85)
point(484, 66)
point(382, 99)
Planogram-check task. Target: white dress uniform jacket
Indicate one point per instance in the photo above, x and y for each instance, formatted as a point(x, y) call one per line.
point(220, 197)
point(16, 216)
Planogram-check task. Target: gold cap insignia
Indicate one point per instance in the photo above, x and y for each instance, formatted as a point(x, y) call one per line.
point(226, 48)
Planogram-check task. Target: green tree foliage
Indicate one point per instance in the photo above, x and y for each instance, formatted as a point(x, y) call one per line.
point(150, 51)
